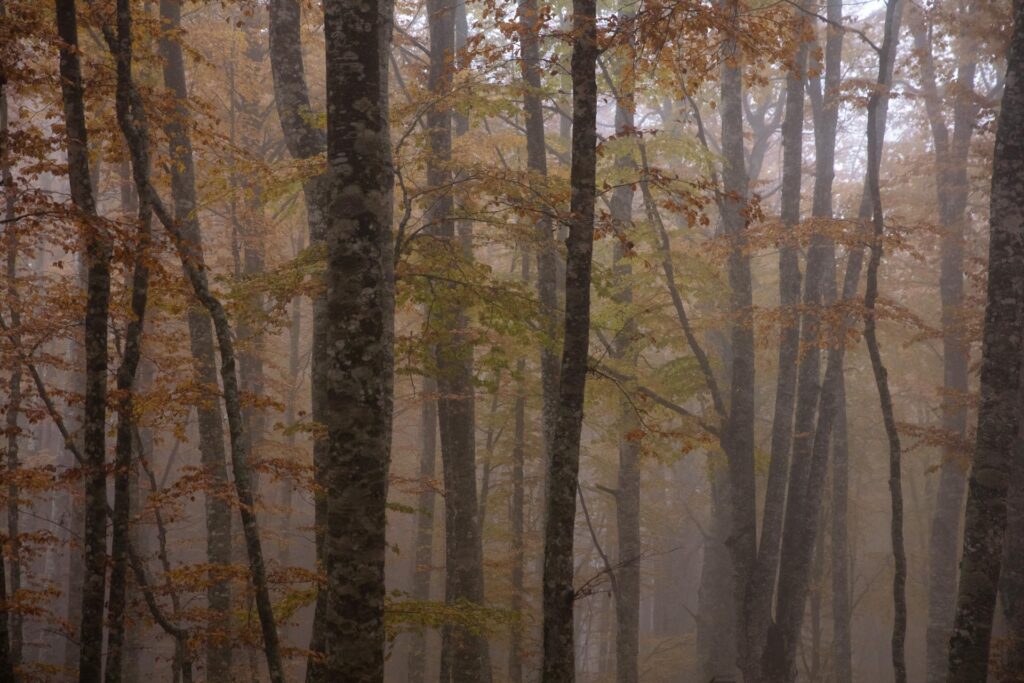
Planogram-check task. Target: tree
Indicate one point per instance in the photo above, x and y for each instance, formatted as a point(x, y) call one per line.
point(564, 458)
point(998, 416)
point(358, 330)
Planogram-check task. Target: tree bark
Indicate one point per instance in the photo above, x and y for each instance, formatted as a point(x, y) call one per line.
point(951, 188)
point(424, 559)
point(627, 499)
point(466, 652)
point(98, 254)
point(738, 434)
point(547, 253)
point(826, 115)
point(212, 455)
point(10, 621)
point(358, 328)
point(998, 413)
point(131, 356)
point(563, 476)
point(517, 519)
point(306, 141)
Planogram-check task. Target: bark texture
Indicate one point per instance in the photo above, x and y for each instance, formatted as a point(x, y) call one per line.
point(209, 418)
point(563, 475)
point(358, 331)
point(98, 253)
point(998, 413)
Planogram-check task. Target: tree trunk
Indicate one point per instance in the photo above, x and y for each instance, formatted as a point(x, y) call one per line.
point(306, 141)
point(951, 187)
point(799, 373)
point(464, 582)
point(547, 253)
point(424, 560)
point(627, 500)
point(212, 453)
point(899, 587)
point(998, 413)
point(10, 622)
point(563, 475)
point(131, 356)
point(738, 434)
point(98, 254)
point(359, 328)
point(517, 519)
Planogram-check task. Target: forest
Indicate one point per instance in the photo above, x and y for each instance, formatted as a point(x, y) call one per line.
point(503, 341)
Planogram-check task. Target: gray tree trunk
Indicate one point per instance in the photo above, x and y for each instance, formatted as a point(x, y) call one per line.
point(998, 413)
point(951, 187)
point(212, 455)
point(424, 559)
point(563, 476)
point(98, 253)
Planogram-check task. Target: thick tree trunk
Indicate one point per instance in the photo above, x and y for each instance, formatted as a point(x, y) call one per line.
point(951, 192)
point(563, 475)
point(358, 329)
point(738, 434)
point(201, 344)
point(98, 253)
point(998, 413)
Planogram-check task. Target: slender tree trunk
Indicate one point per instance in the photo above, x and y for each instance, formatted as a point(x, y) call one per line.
point(98, 253)
point(466, 651)
point(627, 499)
point(826, 116)
point(359, 329)
point(201, 343)
point(424, 560)
point(998, 413)
point(563, 475)
point(547, 254)
point(517, 515)
point(899, 588)
point(951, 192)
point(306, 141)
point(131, 356)
point(799, 374)
point(10, 622)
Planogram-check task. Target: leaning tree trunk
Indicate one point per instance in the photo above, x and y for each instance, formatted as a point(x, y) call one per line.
point(358, 329)
point(998, 413)
point(212, 455)
point(98, 254)
point(132, 354)
point(951, 187)
point(563, 475)
point(547, 254)
point(305, 141)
